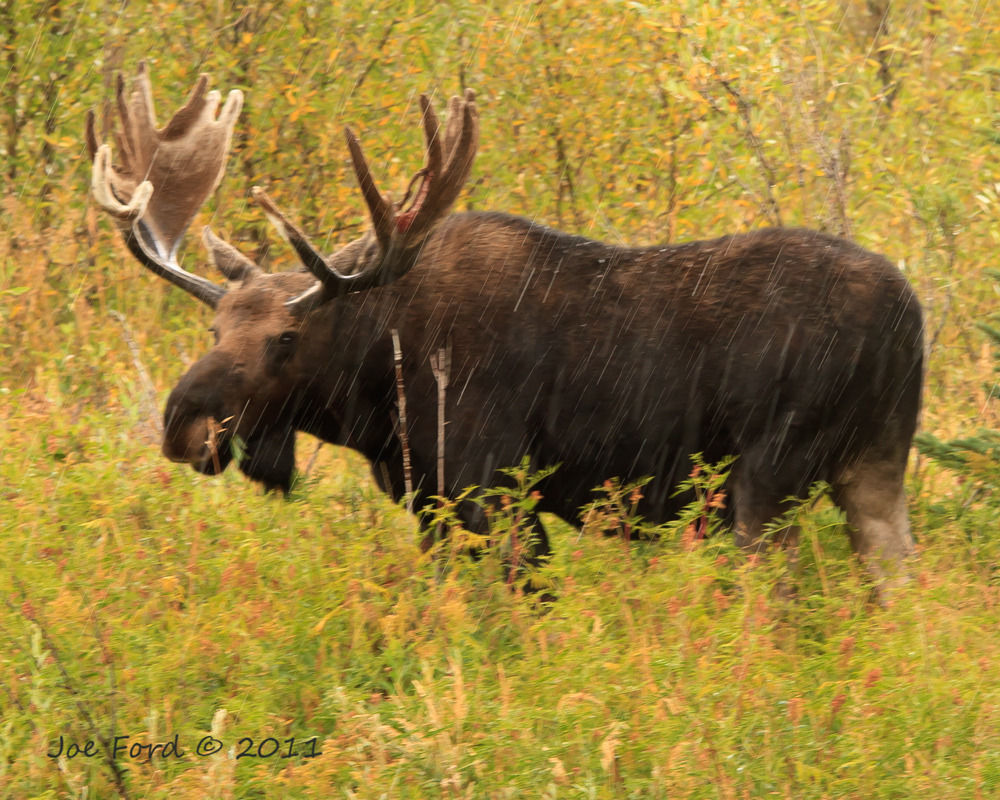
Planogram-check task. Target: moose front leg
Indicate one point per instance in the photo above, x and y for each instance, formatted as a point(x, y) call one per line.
point(756, 504)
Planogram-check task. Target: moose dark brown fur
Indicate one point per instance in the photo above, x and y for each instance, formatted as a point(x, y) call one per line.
point(796, 351)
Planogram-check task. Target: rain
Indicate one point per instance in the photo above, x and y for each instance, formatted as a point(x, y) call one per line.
point(499, 401)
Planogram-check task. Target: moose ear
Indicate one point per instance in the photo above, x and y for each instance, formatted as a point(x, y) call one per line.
point(227, 259)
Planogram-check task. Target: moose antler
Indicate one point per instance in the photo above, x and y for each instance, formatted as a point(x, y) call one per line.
point(386, 252)
point(164, 175)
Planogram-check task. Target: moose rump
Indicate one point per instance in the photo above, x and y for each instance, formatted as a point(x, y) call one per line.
point(799, 352)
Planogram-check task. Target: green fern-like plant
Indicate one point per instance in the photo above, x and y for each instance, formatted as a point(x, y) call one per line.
point(976, 456)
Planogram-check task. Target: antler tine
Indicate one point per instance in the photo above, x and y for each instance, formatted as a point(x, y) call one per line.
point(432, 138)
point(376, 260)
point(455, 120)
point(441, 189)
point(187, 115)
point(102, 184)
point(90, 134)
point(442, 181)
point(289, 231)
point(165, 174)
point(334, 282)
point(122, 139)
point(462, 154)
point(379, 206)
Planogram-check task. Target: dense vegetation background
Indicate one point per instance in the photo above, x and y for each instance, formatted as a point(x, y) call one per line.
point(140, 599)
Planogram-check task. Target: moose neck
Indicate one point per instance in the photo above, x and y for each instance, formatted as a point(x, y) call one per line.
point(346, 386)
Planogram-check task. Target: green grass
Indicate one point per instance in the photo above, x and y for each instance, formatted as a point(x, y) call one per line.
point(141, 599)
point(145, 598)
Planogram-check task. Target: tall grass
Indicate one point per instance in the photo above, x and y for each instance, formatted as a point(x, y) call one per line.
point(140, 599)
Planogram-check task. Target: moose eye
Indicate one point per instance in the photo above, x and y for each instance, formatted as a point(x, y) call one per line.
point(215, 334)
point(283, 345)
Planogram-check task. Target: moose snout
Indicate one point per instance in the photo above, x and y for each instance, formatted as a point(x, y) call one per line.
point(186, 442)
point(199, 442)
point(194, 422)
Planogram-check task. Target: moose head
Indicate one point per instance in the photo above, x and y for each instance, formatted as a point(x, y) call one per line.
point(245, 390)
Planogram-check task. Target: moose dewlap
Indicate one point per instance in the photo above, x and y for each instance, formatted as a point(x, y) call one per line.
point(798, 352)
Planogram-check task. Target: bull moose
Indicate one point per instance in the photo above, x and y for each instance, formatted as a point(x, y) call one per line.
point(796, 351)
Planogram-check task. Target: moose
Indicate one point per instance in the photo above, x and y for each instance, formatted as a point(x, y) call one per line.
point(796, 351)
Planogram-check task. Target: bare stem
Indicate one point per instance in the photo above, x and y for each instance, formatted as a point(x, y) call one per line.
point(404, 440)
point(770, 180)
point(312, 460)
point(84, 710)
point(148, 388)
point(441, 366)
point(214, 429)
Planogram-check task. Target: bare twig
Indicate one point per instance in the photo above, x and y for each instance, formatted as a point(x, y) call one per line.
point(214, 429)
point(312, 460)
point(116, 772)
point(373, 60)
point(677, 134)
point(404, 440)
point(744, 108)
point(938, 223)
point(16, 702)
point(878, 11)
point(836, 159)
point(148, 396)
point(441, 365)
point(564, 174)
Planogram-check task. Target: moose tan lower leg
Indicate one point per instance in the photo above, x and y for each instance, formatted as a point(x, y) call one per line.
point(874, 500)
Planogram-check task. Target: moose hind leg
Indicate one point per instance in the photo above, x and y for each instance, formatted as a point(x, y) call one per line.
point(530, 550)
point(749, 528)
point(873, 498)
point(537, 554)
point(530, 540)
point(756, 504)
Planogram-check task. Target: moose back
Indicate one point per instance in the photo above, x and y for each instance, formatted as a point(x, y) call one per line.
point(798, 352)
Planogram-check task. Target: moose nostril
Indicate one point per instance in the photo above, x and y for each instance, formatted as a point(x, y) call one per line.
point(188, 439)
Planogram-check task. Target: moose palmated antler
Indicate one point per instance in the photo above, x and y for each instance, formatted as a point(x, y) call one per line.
point(397, 233)
point(164, 175)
